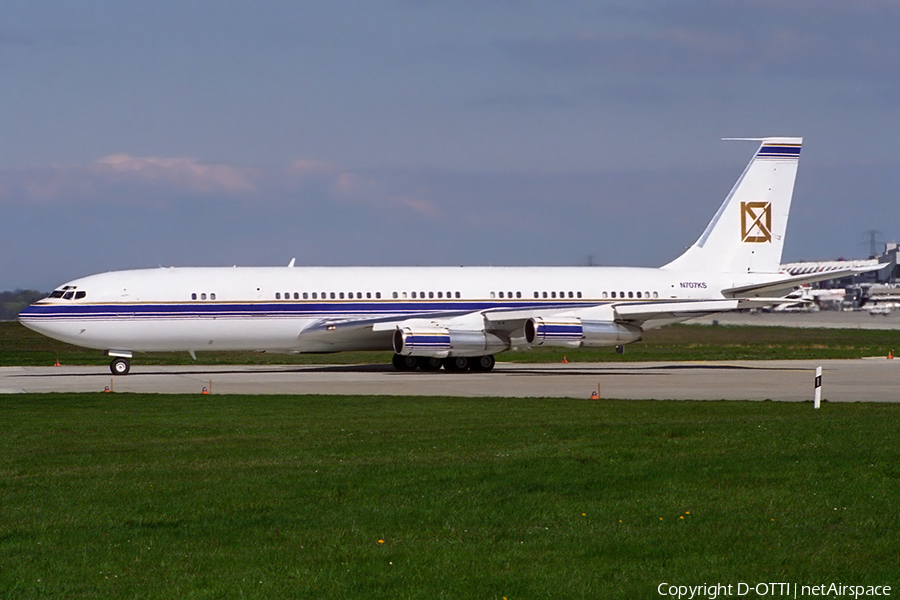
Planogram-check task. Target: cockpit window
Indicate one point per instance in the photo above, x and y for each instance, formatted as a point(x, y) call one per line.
point(57, 294)
point(68, 295)
point(80, 295)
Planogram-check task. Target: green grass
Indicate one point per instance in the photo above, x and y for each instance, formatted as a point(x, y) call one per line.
point(117, 495)
point(21, 346)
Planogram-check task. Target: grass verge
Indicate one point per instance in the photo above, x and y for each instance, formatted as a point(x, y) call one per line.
point(112, 495)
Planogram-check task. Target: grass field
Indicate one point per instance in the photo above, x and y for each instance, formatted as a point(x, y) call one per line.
point(21, 346)
point(137, 496)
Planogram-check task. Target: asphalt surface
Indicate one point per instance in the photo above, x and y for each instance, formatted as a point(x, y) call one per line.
point(867, 380)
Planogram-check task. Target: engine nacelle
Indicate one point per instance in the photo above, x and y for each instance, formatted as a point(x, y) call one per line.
point(441, 342)
point(422, 341)
point(572, 332)
point(608, 333)
point(558, 331)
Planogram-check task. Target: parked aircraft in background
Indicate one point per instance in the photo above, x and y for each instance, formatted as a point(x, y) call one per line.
point(455, 317)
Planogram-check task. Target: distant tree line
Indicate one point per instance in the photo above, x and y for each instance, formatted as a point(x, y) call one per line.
point(12, 303)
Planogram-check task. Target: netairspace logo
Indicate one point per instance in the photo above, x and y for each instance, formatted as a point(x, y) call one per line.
point(771, 590)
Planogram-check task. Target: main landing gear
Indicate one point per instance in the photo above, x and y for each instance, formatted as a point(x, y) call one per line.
point(452, 364)
point(120, 366)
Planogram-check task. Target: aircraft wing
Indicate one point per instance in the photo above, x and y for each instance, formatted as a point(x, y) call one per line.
point(334, 335)
point(658, 314)
point(509, 323)
point(641, 314)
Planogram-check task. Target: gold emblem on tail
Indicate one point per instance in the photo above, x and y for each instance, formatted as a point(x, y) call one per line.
point(756, 222)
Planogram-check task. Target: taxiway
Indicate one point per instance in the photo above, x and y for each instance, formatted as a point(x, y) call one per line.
point(865, 380)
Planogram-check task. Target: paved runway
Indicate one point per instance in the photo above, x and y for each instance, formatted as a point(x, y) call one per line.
point(867, 380)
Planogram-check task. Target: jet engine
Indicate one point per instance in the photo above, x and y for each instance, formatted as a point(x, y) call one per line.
point(440, 342)
point(572, 332)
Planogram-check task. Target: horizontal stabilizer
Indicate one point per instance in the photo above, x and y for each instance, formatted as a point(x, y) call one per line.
point(789, 283)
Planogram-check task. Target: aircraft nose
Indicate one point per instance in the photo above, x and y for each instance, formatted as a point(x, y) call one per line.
point(27, 314)
point(32, 318)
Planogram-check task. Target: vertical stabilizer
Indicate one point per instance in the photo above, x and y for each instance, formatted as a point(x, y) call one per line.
point(747, 233)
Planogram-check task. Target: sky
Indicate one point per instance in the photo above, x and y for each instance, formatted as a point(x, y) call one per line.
point(424, 132)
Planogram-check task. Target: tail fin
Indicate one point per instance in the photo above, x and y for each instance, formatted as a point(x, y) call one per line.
point(747, 233)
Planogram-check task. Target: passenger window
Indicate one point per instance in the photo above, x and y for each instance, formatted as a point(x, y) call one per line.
point(457, 294)
point(578, 294)
point(571, 295)
point(604, 294)
point(413, 294)
point(212, 296)
point(395, 294)
point(501, 294)
point(431, 294)
point(544, 294)
point(193, 296)
point(638, 294)
point(440, 294)
point(518, 294)
point(631, 294)
point(368, 295)
point(203, 296)
point(378, 295)
point(553, 294)
point(332, 295)
point(613, 294)
point(656, 294)
point(404, 295)
point(305, 295)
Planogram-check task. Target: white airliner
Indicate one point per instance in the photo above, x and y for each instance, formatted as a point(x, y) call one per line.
point(455, 317)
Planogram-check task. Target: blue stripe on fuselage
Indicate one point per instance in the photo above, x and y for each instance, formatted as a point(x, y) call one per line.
point(236, 310)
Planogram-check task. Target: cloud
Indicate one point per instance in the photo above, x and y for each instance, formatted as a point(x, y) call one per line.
point(365, 189)
point(123, 178)
point(184, 173)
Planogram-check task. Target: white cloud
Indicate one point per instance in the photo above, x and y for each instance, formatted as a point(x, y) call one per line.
point(123, 178)
point(184, 173)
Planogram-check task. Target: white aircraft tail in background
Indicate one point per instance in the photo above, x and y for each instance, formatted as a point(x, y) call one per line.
point(457, 318)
